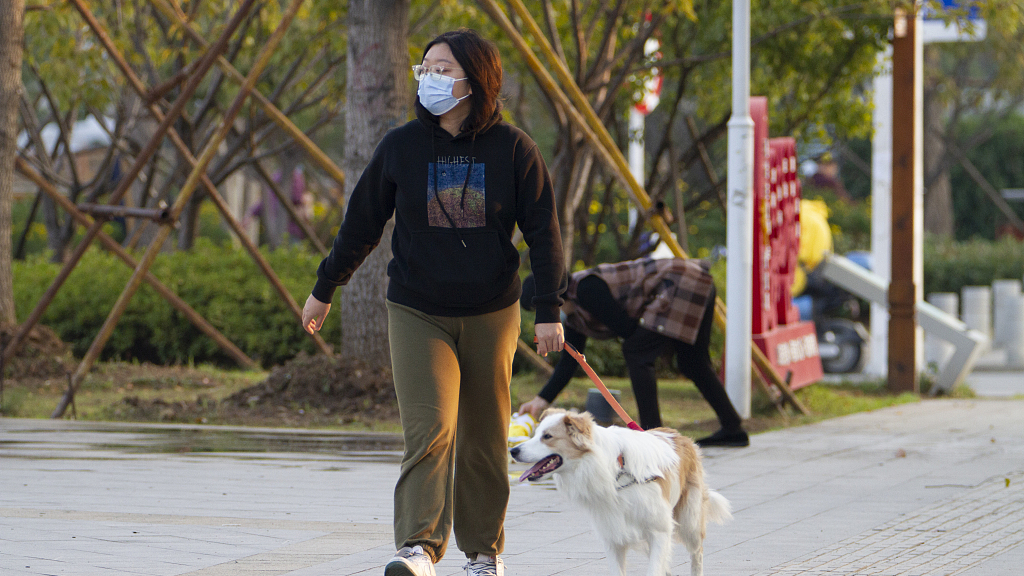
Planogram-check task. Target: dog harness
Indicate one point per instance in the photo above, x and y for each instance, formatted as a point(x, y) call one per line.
point(624, 479)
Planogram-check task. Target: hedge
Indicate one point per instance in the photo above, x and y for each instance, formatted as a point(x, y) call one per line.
point(949, 265)
point(223, 284)
point(226, 288)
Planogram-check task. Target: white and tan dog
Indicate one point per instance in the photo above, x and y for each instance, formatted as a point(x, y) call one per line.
point(638, 487)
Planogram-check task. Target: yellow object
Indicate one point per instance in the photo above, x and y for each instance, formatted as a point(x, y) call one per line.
point(520, 429)
point(815, 240)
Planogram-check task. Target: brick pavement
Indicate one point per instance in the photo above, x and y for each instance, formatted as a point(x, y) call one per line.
point(916, 489)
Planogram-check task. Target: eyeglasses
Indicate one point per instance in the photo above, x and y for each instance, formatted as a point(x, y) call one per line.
point(437, 70)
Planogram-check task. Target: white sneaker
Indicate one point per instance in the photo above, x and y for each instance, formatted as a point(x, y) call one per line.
point(485, 566)
point(410, 562)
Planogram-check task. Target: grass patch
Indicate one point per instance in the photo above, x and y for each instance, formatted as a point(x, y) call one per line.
point(134, 392)
point(683, 408)
point(112, 386)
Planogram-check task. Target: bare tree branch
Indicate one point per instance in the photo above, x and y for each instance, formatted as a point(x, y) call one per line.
point(988, 188)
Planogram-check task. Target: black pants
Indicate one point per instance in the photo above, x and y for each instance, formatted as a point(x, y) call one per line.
point(642, 349)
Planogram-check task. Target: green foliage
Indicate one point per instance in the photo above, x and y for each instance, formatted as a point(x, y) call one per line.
point(839, 400)
point(949, 265)
point(707, 228)
point(808, 57)
point(856, 179)
point(1001, 160)
point(849, 220)
point(811, 58)
point(59, 48)
point(62, 52)
point(35, 240)
point(211, 225)
point(222, 284)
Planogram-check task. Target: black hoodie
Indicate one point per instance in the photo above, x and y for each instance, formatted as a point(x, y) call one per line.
point(489, 181)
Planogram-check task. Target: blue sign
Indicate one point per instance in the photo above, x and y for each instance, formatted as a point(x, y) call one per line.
point(930, 13)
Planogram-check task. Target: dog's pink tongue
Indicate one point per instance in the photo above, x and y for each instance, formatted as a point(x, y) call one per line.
point(533, 469)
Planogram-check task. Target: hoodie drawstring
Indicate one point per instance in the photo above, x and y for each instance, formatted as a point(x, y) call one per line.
point(472, 160)
point(465, 183)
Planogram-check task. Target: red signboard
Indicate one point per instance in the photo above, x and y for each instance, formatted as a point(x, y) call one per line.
point(790, 345)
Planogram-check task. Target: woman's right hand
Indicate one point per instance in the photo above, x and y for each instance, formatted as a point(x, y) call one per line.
point(313, 314)
point(535, 407)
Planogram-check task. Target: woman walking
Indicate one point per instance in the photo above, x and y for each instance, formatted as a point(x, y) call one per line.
point(457, 180)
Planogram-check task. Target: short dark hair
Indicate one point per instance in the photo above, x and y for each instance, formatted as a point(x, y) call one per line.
point(480, 60)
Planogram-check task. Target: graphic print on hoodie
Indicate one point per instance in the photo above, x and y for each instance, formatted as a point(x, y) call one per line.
point(466, 212)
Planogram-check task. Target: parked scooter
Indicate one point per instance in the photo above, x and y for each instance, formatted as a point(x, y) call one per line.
point(842, 340)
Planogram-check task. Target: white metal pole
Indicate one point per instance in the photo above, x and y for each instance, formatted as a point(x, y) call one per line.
point(740, 223)
point(635, 156)
point(919, 180)
point(881, 209)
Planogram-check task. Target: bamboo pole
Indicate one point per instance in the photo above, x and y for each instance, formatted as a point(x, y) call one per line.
point(583, 115)
point(110, 244)
point(262, 60)
point(211, 190)
point(533, 358)
point(315, 153)
point(204, 65)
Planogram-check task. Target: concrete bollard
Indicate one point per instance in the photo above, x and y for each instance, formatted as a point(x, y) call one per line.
point(1004, 298)
point(976, 310)
point(599, 408)
point(1014, 345)
point(936, 350)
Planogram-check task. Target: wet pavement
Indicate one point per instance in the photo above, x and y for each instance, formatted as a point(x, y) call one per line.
point(935, 487)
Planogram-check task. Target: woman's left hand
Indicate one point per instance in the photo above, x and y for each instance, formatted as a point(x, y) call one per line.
point(550, 337)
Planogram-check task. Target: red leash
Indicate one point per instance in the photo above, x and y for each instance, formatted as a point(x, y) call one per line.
point(600, 386)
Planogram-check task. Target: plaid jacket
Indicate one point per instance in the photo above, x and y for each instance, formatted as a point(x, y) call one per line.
point(668, 296)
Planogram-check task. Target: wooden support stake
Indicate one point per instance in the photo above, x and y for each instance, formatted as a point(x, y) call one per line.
point(184, 195)
point(110, 244)
point(147, 152)
point(533, 358)
point(318, 156)
point(906, 172)
point(211, 190)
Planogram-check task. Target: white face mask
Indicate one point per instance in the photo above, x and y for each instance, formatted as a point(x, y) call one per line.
point(436, 93)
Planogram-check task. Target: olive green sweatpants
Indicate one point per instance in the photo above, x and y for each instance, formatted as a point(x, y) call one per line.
point(452, 378)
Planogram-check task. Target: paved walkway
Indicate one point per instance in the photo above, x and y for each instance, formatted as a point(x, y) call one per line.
point(930, 488)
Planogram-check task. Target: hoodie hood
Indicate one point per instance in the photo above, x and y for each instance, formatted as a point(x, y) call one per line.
point(432, 121)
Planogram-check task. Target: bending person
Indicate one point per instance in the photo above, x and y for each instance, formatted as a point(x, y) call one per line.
point(655, 306)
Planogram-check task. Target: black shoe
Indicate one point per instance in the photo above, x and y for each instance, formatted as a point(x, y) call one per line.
point(736, 438)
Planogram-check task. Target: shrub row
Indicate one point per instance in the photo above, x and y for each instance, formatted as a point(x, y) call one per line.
point(949, 265)
point(227, 288)
point(221, 283)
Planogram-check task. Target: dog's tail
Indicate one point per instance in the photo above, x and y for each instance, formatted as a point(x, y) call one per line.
point(716, 508)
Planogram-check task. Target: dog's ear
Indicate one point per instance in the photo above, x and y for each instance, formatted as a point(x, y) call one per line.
point(578, 426)
point(550, 411)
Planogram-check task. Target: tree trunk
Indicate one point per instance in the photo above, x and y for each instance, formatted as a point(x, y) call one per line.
point(377, 100)
point(188, 221)
point(938, 194)
point(12, 32)
point(573, 209)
